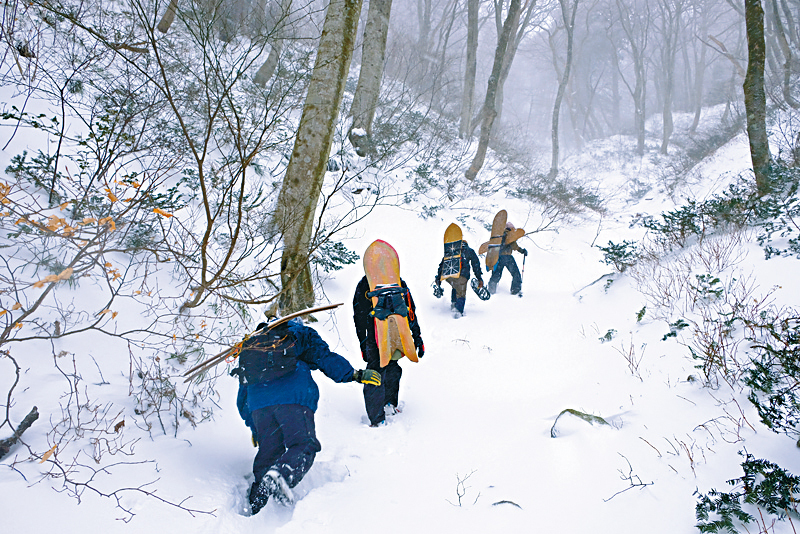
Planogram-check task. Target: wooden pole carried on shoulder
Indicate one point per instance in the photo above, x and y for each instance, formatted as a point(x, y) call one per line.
point(207, 364)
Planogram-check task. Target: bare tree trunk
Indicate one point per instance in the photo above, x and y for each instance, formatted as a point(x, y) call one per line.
point(373, 55)
point(491, 91)
point(569, 25)
point(302, 184)
point(791, 27)
point(267, 69)
point(787, 56)
point(700, 64)
point(635, 25)
point(169, 17)
point(424, 10)
point(275, 18)
point(468, 98)
point(518, 31)
point(511, 52)
point(671, 12)
point(755, 100)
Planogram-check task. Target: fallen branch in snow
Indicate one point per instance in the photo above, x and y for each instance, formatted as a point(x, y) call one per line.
point(635, 481)
point(593, 283)
point(6, 444)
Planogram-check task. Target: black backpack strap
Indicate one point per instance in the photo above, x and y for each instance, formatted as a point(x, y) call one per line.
point(266, 356)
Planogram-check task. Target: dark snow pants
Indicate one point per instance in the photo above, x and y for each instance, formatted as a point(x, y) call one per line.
point(507, 262)
point(376, 397)
point(287, 441)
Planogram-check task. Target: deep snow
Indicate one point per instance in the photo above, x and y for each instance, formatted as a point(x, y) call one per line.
point(472, 450)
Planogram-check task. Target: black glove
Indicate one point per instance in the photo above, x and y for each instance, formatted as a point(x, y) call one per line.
point(524, 252)
point(421, 351)
point(367, 376)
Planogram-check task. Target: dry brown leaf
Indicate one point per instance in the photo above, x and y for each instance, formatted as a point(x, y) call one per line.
point(48, 454)
point(162, 213)
point(46, 280)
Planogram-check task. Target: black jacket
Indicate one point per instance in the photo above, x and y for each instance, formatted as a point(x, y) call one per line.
point(365, 324)
point(468, 257)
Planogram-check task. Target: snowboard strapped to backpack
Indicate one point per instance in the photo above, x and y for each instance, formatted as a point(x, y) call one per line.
point(266, 355)
point(391, 301)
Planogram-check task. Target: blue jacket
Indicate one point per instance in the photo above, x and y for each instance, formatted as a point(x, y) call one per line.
point(297, 387)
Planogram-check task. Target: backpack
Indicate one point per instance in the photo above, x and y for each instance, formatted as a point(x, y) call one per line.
point(266, 356)
point(391, 301)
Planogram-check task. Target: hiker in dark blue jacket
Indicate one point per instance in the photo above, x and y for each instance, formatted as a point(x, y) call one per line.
point(280, 411)
point(506, 261)
point(458, 295)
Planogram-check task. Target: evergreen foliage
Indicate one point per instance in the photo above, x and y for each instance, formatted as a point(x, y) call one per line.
point(764, 485)
point(620, 255)
point(775, 372)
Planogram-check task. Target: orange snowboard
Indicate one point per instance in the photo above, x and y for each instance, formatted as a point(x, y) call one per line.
point(392, 334)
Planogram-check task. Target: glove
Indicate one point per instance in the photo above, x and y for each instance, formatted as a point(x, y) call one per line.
point(253, 439)
point(421, 351)
point(524, 252)
point(480, 284)
point(367, 376)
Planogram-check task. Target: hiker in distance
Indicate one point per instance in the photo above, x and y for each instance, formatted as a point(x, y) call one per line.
point(277, 399)
point(386, 324)
point(506, 261)
point(458, 293)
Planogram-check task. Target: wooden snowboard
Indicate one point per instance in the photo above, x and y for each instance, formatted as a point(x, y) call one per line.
point(492, 247)
point(451, 266)
point(393, 334)
point(498, 238)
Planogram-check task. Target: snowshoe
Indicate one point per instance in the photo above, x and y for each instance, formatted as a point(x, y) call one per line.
point(391, 409)
point(437, 290)
point(274, 484)
point(482, 292)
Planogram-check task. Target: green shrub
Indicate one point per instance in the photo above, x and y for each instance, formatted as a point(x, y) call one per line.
point(764, 485)
point(774, 375)
point(332, 256)
point(620, 255)
point(778, 213)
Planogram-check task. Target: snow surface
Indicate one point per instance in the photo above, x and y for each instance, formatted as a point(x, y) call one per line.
point(472, 449)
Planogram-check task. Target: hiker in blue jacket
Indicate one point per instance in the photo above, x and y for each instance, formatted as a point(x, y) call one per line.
point(458, 295)
point(506, 261)
point(278, 403)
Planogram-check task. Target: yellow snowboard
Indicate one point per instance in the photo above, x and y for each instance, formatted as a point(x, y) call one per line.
point(451, 264)
point(392, 331)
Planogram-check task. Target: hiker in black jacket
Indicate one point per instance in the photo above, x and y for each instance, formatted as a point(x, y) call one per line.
point(458, 295)
point(383, 398)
